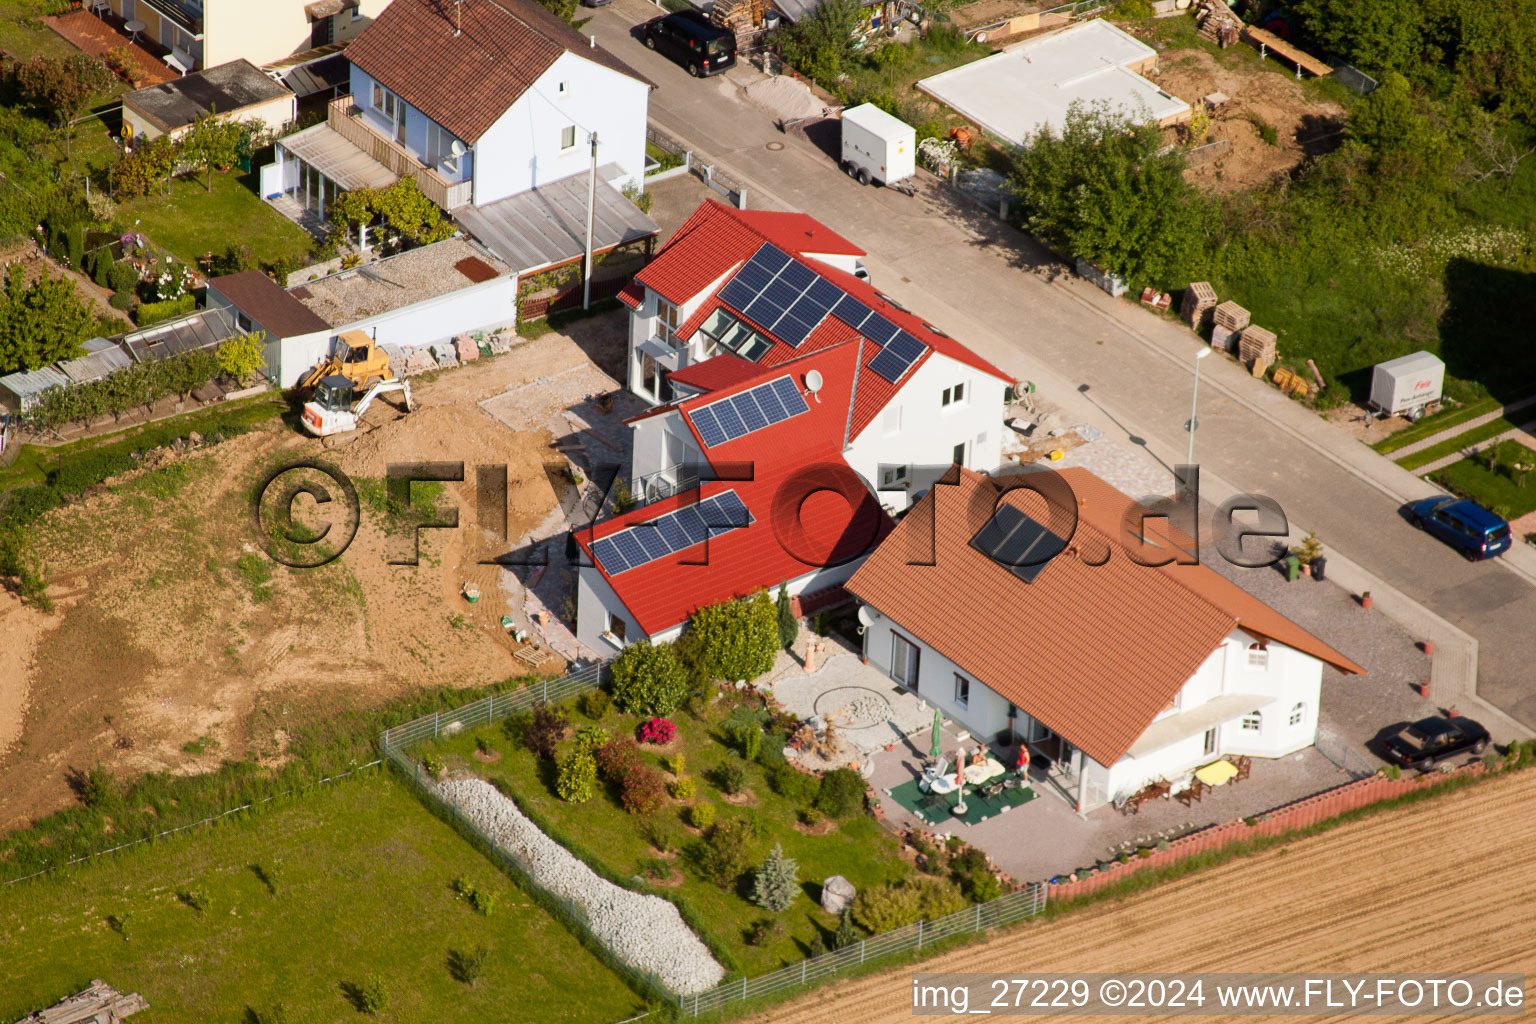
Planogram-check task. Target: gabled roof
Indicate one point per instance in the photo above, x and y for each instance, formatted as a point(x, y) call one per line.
point(719, 372)
point(832, 526)
point(1097, 645)
point(260, 298)
point(465, 82)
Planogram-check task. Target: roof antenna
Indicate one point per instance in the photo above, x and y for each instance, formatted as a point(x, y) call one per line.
point(458, 18)
point(813, 384)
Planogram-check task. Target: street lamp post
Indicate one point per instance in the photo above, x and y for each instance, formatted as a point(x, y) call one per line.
point(1194, 401)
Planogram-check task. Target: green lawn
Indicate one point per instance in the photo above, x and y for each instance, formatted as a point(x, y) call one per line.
point(1442, 420)
point(22, 35)
point(1497, 489)
point(361, 876)
point(860, 849)
point(1452, 445)
point(192, 221)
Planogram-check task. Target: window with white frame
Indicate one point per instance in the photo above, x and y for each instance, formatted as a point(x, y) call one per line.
point(440, 148)
point(355, 12)
point(952, 396)
point(891, 422)
point(1298, 713)
point(668, 318)
point(893, 476)
point(1253, 721)
point(1258, 656)
point(962, 691)
point(568, 137)
point(615, 632)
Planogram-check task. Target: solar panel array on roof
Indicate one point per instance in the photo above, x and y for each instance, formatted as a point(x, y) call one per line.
point(1017, 543)
point(786, 297)
point(677, 531)
point(753, 409)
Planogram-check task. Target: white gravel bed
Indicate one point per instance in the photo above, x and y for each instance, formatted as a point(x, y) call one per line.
point(644, 932)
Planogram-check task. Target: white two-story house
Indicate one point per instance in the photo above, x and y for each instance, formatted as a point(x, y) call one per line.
point(492, 106)
point(782, 448)
point(209, 33)
point(1036, 624)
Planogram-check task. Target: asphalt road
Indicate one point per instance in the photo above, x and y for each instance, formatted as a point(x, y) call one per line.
point(1003, 294)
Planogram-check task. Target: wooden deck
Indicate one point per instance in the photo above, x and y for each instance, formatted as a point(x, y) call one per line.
point(1274, 44)
point(100, 36)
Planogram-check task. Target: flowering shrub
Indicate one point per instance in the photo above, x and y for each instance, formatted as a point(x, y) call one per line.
point(173, 282)
point(643, 790)
point(1497, 245)
point(660, 731)
point(617, 758)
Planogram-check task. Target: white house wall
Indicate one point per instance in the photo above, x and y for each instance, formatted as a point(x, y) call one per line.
point(656, 440)
point(481, 307)
point(269, 30)
point(987, 711)
point(915, 429)
point(522, 149)
point(417, 126)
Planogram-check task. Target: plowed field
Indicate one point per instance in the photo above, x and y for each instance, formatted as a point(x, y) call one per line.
point(1444, 885)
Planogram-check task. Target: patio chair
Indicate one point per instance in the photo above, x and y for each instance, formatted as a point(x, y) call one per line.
point(1197, 789)
point(1243, 763)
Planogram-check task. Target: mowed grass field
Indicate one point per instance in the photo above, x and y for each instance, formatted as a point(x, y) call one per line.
point(1446, 884)
point(361, 887)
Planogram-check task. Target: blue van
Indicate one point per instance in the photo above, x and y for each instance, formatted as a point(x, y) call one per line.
point(1464, 525)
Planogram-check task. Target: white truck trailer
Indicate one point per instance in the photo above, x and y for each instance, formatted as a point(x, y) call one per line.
point(877, 147)
point(1406, 385)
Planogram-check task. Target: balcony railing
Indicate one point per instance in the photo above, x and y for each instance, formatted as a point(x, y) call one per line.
point(345, 120)
point(188, 14)
point(665, 483)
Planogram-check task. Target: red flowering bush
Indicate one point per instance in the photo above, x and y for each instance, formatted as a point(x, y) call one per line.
point(657, 730)
point(644, 790)
point(618, 758)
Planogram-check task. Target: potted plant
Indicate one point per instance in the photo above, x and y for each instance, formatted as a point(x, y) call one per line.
point(1308, 551)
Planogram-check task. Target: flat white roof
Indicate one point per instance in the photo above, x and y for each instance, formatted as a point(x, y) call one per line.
point(1415, 362)
point(1015, 93)
point(885, 125)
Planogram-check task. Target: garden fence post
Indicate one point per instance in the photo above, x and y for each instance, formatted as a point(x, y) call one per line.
point(434, 724)
point(546, 691)
point(861, 951)
point(978, 917)
point(743, 986)
point(802, 972)
point(919, 933)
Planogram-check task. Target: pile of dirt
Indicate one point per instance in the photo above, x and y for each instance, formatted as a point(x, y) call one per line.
point(787, 99)
point(1304, 126)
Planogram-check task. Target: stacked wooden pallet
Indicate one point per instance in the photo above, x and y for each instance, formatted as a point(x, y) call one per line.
point(743, 17)
point(1256, 348)
point(1217, 23)
point(1229, 321)
point(1199, 300)
point(99, 1004)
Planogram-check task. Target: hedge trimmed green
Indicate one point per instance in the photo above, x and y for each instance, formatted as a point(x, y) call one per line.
point(154, 312)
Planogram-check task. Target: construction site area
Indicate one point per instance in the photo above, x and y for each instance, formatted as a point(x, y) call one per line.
point(175, 643)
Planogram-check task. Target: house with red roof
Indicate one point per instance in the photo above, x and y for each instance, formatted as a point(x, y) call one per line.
point(797, 411)
point(1024, 608)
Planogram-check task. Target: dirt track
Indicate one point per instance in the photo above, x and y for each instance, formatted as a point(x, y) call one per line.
point(1446, 885)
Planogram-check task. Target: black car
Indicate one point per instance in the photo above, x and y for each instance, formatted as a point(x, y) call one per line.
point(1429, 741)
point(694, 41)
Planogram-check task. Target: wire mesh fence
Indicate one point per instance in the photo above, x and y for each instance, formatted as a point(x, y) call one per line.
point(1345, 758)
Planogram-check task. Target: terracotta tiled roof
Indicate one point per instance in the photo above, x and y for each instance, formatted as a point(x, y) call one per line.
point(260, 298)
point(721, 371)
point(1093, 648)
point(466, 82)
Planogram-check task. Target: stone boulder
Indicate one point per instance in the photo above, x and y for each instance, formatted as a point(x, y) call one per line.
point(467, 349)
point(837, 895)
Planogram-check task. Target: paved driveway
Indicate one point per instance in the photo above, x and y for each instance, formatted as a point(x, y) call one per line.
point(1001, 292)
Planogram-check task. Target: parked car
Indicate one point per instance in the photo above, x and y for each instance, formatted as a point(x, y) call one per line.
point(694, 41)
point(1430, 741)
point(595, 3)
point(1464, 525)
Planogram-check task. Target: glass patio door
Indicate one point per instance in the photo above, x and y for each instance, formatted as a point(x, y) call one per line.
point(904, 655)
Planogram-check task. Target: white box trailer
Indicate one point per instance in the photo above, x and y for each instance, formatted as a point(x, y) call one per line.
point(1404, 386)
point(877, 147)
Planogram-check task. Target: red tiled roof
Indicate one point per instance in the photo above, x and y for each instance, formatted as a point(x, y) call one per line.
point(466, 82)
point(718, 372)
point(788, 537)
point(1094, 649)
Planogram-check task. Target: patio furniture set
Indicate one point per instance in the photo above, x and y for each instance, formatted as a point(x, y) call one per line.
point(1192, 788)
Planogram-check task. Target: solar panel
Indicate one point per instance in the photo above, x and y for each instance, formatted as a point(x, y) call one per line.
point(629, 549)
point(672, 532)
point(730, 419)
point(755, 276)
point(737, 293)
point(751, 416)
point(789, 396)
point(809, 310)
point(878, 329)
point(824, 293)
point(906, 346)
point(764, 311)
point(691, 521)
point(797, 276)
point(851, 311)
point(889, 365)
point(773, 407)
point(708, 426)
point(771, 257)
point(651, 540)
point(793, 330)
point(728, 511)
point(607, 554)
point(1017, 543)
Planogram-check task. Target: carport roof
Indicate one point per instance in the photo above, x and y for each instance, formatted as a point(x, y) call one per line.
point(547, 225)
point(324, 149)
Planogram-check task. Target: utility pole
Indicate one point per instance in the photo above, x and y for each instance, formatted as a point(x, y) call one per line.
point(586, 277)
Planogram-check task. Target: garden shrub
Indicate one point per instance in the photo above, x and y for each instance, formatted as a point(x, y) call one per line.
point(595, 704)
point(737, 639)
point(789, 628)
point(677, 764)
point(545, 730)
point(731, 776)
point(659, 731)
point(655, 831)
point(728, 852)
point(810, 817)
point(841, 793)
point(701, 815)
point(682, 789)
point(370, 996)
point(121, 300)
point(749, 740)
point(591, 737)
point(648, 679)
point(467, 965)
point(884, 907)
point(617, 758)
point(578, 776)
point(642, 790)
point(122, 277)
point(154, 312)
point(846, 935)
point(793, 784)
point(516, 727)
point(777, 881)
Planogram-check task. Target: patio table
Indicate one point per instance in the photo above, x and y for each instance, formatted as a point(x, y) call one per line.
point(134, 27)
point(1216, 773)
point(942, 785)
point(978, 774)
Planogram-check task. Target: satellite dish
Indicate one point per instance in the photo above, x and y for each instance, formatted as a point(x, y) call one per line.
point(867, 615)
point(813, 381)
point(457, 147)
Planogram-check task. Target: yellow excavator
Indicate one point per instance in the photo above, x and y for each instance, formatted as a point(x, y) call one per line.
point(354, 356)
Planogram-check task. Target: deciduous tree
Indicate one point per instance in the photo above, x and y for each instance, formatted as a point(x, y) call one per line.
point(41, 322)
